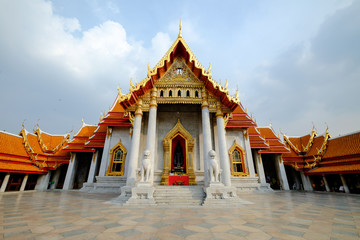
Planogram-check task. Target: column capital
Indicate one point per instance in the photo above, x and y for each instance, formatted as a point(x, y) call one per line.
point(138, 111)
point(205, 103)
point(153, 103)
point(219, 113)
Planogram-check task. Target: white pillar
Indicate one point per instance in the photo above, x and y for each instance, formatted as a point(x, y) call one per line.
point(106, 154)
point(55, 178)
point(206, 136)
point(24, 181)
point(224, 157)
point(93, 165)
point(306, 182)
point(151, 133)
point(43, 182)
point(135, 145)
point(326, 183)
point(281, 172)
point(5, 182)
point(70, 174)
point(250, 162)
point(259, 167)
point(346, 188)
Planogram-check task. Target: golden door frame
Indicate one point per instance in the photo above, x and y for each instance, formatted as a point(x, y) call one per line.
point(177, 130)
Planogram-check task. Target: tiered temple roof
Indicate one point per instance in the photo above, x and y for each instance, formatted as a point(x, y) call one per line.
point(77, 144)
point(325, 155)
point(274, 142)
point(256, 140)
point(32, 152)
point(13, 156)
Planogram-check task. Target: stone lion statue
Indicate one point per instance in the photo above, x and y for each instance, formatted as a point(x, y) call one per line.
point(214, 170)
point(146, 167)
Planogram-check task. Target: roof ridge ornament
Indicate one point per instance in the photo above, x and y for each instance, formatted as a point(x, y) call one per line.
point(179, 35)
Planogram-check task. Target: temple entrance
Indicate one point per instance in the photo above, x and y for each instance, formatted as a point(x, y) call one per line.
point(178, 157)
point(178, 163)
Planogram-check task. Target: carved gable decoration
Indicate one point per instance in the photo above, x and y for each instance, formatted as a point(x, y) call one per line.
point(179, 85)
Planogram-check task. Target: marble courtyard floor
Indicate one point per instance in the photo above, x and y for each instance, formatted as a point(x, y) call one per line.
point(278, 215)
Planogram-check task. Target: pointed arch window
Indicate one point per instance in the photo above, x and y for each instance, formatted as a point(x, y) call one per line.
point(117, 161)
point(170, 93)
point(187, 93)
point(196, 94)
point(161, 93)
point(237, 161)
point(179, 93)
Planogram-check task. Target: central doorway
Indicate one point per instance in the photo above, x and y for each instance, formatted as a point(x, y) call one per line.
point(178, 157)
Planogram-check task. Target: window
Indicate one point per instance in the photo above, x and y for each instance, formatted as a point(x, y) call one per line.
point(187, 93)
point(117, 161)
point(161, 93)
point(170, 93)
point(237, 161)
point(179, 93)
point(196, 94)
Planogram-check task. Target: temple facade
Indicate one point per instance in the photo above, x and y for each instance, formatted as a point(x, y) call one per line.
point(178, 130)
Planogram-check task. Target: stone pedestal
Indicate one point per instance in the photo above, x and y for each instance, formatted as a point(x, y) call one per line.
point(142, 194)
point(219, 195)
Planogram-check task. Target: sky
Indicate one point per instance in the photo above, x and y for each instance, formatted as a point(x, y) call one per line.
point(295, 63)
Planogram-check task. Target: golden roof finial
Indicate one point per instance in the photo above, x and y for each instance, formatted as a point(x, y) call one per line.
point(82, 120)
point(209, 69)
point(226, 84)
point(270, 125)
point(149, 69)
point(101, 117)
point(119, 90)
point(237, 92)
point(131, 83)
point(180, 29)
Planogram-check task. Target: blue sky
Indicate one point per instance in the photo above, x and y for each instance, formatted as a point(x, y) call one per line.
point(295, 62)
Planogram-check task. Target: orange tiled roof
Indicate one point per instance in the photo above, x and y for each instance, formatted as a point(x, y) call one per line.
point(276, 146)
point(97, 140)
point(343, 146)
point(256, 140)
point(337, 169)
point(12, 144)
point(240, 119)
point(77, 144)
point(116, 117)
point(16, 167)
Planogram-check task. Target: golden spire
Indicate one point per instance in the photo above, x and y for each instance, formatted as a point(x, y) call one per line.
point(23, 124)
point(149, 69)
point(180, 29)
point(119, 90)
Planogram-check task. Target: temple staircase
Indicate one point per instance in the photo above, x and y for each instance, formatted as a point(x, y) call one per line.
point(179, 196)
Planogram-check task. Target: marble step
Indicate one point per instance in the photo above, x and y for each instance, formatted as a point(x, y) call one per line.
point(186, 196)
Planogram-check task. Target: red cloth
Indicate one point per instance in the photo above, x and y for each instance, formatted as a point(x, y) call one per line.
point(178, 179)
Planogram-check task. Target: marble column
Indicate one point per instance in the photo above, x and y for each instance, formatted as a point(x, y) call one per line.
point(326, 183)
point(24, 181)
point(106, 156)
point(259, 167)
point(281, 172)
point(250, 162)
point(70, 174)
point(135, 146)
point(346, 188)
point(43, 182)
point(93, 165)
point(151, 133)
point(205, 115)
point(224, 157)
point(5, 182)
point(55, 178)
point(306, 182)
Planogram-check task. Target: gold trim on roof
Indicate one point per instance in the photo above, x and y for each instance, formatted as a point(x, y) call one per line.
point(192, 58)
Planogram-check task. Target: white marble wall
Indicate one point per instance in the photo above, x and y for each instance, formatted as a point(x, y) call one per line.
point(117, 134)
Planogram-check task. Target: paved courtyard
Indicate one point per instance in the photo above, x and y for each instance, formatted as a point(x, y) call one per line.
point(278, 215)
